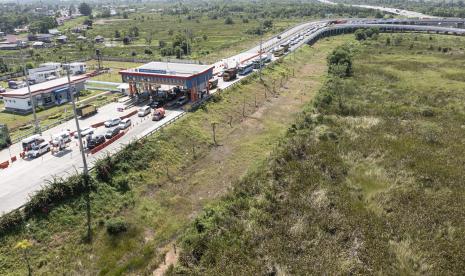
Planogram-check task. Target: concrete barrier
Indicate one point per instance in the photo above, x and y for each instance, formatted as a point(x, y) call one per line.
point(107, 143)
point(4, 165)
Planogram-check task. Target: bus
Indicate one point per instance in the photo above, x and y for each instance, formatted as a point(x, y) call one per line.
point(5, 140)
point(245, 69)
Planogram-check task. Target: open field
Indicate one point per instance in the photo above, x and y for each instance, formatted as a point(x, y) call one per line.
point(160, 185)
point(114, 66)
point(368, 181)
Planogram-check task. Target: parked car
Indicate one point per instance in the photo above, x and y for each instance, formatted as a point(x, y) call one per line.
point(38, 150)
point(182, 101)
point(95, 141)
point(156, 104)
point(61, 137)
point(125, 123)
point(112, 132)
point(144, 111)
point(84, 132)
point(112, 122)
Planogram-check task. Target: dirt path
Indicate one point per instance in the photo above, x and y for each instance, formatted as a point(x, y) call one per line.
point(171, 258)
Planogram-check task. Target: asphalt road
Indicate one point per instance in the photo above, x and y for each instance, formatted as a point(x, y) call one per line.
point(385, 9)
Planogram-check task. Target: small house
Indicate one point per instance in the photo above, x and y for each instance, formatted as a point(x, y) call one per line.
point(62, 39)
point(54, 32)
point(99, 39)
point(38, 44)
point(76, 68)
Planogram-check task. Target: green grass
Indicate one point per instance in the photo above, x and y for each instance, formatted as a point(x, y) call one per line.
point(167, 177)
point(371, 182)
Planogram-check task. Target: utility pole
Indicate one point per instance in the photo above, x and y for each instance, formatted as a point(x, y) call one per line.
point(36, 123)
point(85, 170)
point(260, 64)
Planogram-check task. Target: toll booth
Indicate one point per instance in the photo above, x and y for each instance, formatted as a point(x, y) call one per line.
point(148, 78)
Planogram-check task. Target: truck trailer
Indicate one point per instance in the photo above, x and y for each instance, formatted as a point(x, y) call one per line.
point(86, 110)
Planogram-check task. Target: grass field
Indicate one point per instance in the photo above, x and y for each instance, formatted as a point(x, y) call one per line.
point(159, 186)
point(211, 38)
point(368, 181)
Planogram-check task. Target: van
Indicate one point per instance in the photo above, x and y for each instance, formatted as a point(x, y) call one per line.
point(38, 150)
point(125, 123)
point(31, 141)
point(144, 111)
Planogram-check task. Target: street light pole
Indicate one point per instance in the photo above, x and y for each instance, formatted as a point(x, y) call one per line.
point(36, 123)
point(85, 170)
point(260, 62)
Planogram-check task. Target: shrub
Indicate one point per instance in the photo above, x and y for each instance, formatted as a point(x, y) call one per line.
point(116, 226)
point(228, 21)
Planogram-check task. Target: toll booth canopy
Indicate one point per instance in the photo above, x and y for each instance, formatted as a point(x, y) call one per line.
point(148, 77)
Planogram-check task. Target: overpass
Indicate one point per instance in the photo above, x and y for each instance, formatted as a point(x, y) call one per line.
point(338, 29)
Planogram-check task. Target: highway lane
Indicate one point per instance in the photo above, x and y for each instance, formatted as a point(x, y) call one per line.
point(401, 12)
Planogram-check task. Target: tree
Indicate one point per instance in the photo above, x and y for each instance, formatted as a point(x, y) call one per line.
point(117, 34)
point(268, 24)
point(85, 9)
point(126, 40)
point(360, 35)
point(149, 38)
point(88, 22)
point(161, 44)
point(178, 51)
point(340, 62)
point(125, 15)
point(228, 21)
point(71, 10)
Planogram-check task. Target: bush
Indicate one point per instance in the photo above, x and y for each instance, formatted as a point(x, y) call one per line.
point(148, 51)
point(116, 226)
point(228, 21)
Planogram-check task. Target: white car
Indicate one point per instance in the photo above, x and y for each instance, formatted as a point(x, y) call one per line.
point(125, 123)
point(38, 150)
point(84, 132)
point(112, 122)
point(144, 111)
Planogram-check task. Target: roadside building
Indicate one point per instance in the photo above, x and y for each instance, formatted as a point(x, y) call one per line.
point(99, 39)
point(46, 94)
point(62, 39)
point(38, 45)
point(9, 46)
point(54, 32)
point(47, 38)
point(44, 73)
point(76, 68)
point(192, 78)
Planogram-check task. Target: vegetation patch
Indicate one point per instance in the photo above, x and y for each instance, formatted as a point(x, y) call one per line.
point(368, 180)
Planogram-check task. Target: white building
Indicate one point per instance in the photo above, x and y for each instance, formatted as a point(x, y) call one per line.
point(44, 73)
point(76, 68)
point(46, 94)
